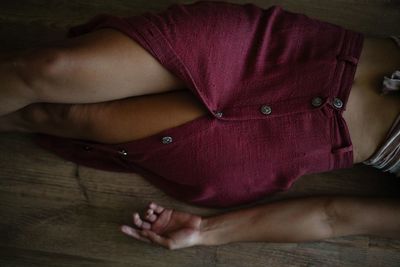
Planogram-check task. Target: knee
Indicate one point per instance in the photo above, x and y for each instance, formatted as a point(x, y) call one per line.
point(81, 121)
point(44, 115)
point(42, 68)
point(331, 216)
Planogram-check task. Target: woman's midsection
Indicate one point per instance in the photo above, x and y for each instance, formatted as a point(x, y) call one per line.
point(369, 114)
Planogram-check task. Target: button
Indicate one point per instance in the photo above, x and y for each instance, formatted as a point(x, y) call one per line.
point(316, 102)
point(167, 140)
point(87, 148)
point(219, 114)
point(337, 103)
point(266, 110)
point(123, 152)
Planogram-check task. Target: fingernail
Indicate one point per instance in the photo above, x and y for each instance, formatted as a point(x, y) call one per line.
point(126, 229)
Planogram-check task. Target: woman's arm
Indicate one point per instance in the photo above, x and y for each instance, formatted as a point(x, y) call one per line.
point(307, 219)
point(294, 220)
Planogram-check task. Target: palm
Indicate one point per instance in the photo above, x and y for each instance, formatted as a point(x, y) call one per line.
point(176, 225)
point(170, 228)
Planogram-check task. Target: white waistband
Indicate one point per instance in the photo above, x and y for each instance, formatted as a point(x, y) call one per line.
point(387, 158)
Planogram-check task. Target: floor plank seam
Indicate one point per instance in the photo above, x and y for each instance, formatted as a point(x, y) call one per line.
point(81, 185)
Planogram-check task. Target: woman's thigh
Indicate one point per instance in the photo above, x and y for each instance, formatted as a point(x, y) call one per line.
point(116, 121)
point(99, 66)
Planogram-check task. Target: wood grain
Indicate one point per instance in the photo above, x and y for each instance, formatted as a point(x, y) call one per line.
point(54, 213)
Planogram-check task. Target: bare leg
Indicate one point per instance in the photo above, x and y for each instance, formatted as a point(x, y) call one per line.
point(100, 66)
point(109, 122)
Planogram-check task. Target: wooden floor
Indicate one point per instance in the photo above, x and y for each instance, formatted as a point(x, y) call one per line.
point(54, 213)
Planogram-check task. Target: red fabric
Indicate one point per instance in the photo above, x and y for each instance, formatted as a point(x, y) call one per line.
point(235, 59)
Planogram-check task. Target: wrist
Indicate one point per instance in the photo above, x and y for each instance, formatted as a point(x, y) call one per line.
point(207, 235)
point(227, 228)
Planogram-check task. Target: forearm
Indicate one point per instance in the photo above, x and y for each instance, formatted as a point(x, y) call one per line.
point(284, 221)
point(366, 216)
point(307, 219)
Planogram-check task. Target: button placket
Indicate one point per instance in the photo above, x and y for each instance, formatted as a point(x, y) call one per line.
point(275, 108)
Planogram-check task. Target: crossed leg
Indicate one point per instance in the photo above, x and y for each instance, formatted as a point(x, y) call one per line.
point(100, 66)
point(101, 86)
point(110, 122)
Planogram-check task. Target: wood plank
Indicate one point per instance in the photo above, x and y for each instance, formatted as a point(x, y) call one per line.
point(11, 257)
point(80, 230)
point(55, 213)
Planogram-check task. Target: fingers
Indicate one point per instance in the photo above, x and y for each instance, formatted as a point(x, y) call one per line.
point(157, 208)
point(134, 233)
point(147, 236)
point(139, 222)
point(144, 233)
point(155, 238)
point(150, 216)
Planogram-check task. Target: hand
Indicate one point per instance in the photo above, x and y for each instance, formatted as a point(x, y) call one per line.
point(166, 227)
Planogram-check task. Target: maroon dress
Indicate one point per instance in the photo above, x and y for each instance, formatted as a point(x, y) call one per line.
point(275, 84)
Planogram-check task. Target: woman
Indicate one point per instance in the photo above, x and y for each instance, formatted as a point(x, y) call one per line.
point(272, 96)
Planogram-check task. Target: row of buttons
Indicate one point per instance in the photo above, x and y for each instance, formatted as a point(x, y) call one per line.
point(265, 109)
point(122, 152)
point(316, 102)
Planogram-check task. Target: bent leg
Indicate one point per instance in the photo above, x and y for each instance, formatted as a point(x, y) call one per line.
point(110, 122)
point(99, 66)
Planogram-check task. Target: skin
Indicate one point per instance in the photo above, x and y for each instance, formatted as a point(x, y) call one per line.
point(316, 218)
point(105, 65)
point(368, 111)
point(112, 105)
point(137, 99)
